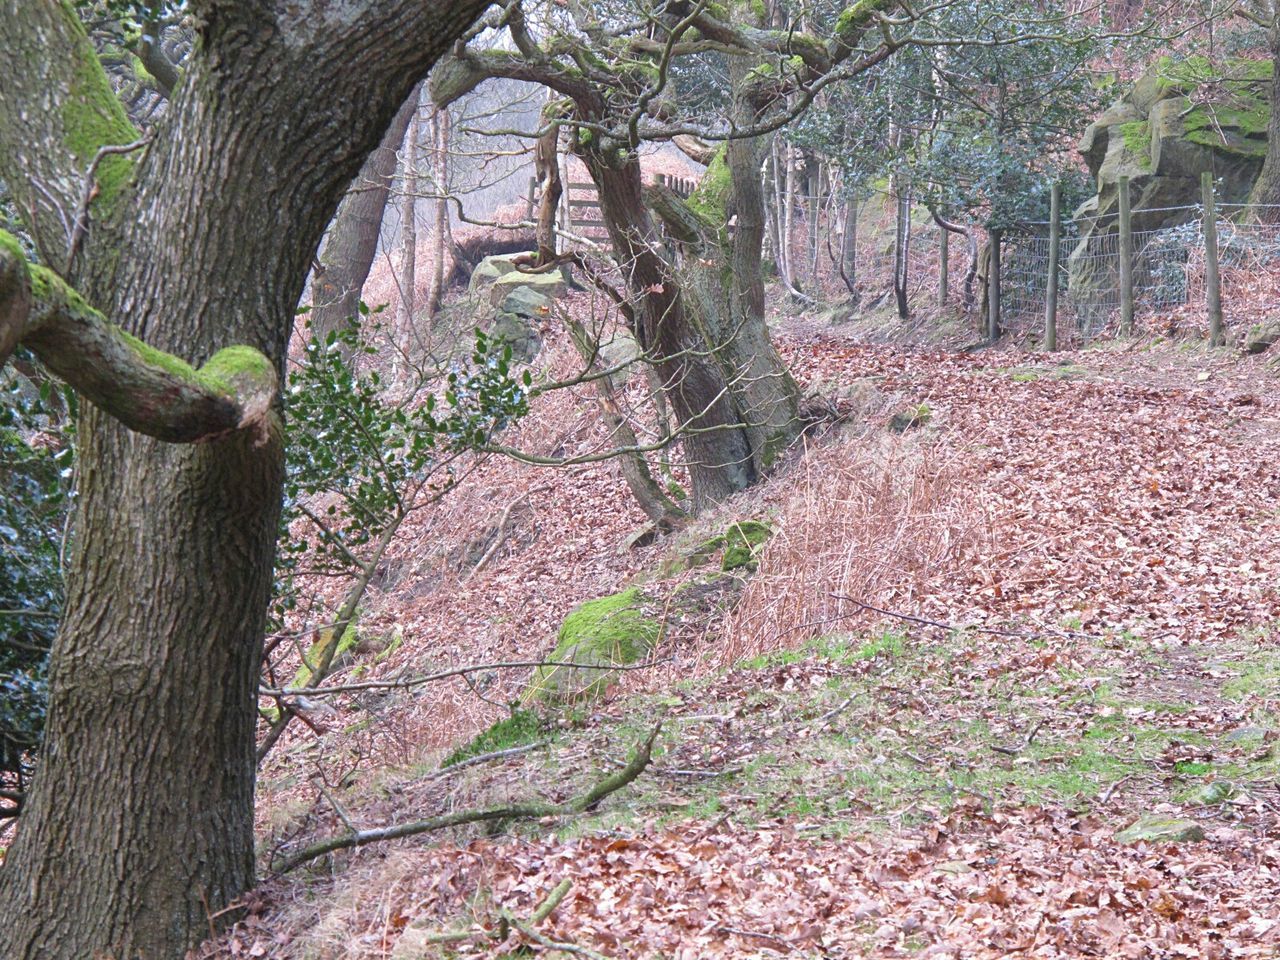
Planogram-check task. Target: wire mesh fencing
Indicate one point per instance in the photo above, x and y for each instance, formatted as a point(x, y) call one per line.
point(1168, 268)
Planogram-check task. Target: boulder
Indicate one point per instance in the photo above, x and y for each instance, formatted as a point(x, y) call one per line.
point(1176, 122)
point(525, 301)
point(1157, 829)
point(491, 269)
point(550, 285)
point(517, 332)
point(744, 542)
point(600, 634)
point(1262, 337)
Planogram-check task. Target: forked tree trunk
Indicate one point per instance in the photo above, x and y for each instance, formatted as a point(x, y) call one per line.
point(139, 823)
point(667, 327)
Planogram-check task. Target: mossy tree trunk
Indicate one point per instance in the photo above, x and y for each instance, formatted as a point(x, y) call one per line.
point(671, 326)
point(1264, 201)
point(139, 823)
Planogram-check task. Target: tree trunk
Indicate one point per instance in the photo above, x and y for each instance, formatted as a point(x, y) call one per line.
point(352, 240)
point(440, 206)
point(407, 282)
point(849, 246)
point(139, 823)
point(902, 254)
point(667, 327)
point(1264, 201)
point(546, 156)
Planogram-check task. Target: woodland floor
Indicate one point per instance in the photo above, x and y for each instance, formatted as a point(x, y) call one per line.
point(869, 786)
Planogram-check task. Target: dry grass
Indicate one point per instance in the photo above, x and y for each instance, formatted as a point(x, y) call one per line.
point(877, 519)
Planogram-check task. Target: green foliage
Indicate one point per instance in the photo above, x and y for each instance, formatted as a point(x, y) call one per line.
point(36, 466)
point(364, 457)
point(977, 132)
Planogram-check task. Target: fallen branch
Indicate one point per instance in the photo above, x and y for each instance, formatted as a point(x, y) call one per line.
point(485, 758)
point(501, 537)
point(957, 628)
point(441, 675)
point(520, 811)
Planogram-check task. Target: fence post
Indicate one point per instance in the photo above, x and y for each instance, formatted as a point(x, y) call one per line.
point(1212, 279)
point(993, 286)
point(1126, 260)
point(943, 256)
point(1051, 291)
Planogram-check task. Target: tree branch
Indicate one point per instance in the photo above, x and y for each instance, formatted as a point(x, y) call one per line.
point(147, 390)
point(520, 811)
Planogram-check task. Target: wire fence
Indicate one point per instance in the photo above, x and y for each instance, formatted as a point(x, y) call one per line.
point(1168, 267)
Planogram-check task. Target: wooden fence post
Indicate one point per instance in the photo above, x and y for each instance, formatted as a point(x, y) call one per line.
point(1126, 260)
point(1051, 291)
point(1212, 279)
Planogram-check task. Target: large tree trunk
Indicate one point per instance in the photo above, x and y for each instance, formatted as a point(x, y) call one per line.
point(1264, 202)
point(139, 824)
point(352, 240)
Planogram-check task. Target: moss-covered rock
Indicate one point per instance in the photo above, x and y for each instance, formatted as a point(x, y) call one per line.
point(1155, 829)
point(1182, 118)
point(600, 634)
point(743, 543)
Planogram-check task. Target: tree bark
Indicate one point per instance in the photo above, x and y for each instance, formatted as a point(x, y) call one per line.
point(407, 282)
point(139, 822)
point(352, 240)
point(440, 209)
point(1264, 201)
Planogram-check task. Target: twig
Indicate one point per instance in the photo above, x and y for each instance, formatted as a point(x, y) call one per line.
point(90, 190)
point(835, 711)
point(550, 944)
point(544, 910)
point(1106, 796)
point(520, 811)
point(956, 628)
point(338, 808)
point(1014, 751)
point(548, 906)
point(760, 936)
point(708, 774)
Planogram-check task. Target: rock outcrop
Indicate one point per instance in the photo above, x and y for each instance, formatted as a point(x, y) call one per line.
point(510, 304)
point(1181, 119)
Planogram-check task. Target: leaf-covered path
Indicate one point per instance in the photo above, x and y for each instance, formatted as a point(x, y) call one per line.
point(902, 789)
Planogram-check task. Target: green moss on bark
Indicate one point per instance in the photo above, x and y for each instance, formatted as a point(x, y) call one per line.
point(92, 117)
